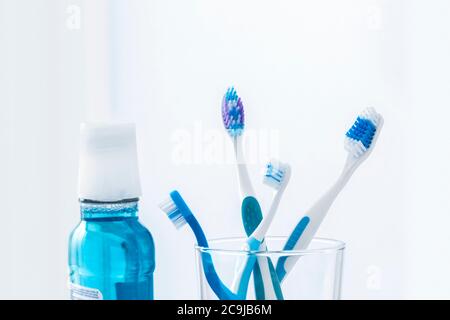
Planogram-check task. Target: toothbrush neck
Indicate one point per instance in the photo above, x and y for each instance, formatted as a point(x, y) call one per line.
point(261, 231)
point(245, 184)
point(239, 150)
point(350, 166)
point(117, 210)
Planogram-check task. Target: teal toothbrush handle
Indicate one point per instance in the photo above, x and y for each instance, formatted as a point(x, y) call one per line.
point(251, 218)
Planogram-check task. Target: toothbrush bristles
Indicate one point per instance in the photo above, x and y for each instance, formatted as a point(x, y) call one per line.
point(175, 215)
point(360, 136)
point(275, 174)
point(233, 113)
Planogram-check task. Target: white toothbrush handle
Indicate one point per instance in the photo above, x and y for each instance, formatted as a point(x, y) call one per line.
point(245, 184)
point(316, 215)
point(261, 231)
point(239, 270)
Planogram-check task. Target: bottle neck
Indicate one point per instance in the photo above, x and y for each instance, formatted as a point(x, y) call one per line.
point(96, 210)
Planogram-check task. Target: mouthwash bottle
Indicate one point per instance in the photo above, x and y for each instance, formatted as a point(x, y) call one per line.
point(111, 254)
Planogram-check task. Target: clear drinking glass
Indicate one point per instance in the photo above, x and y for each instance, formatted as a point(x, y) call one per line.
point(317, 273)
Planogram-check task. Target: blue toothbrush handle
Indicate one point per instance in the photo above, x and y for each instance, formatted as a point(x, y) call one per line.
point(258, 283)
point(219, 288)
point(290, 245)
point(275, 281)
point(253, 245)
point(213, 279)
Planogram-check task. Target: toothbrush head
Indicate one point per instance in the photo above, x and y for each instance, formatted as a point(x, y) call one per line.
point(176, 209)
point(361, 137)
point(233, 113)
point(277, 174)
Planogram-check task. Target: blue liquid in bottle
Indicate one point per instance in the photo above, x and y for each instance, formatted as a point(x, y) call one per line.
point(111, 254)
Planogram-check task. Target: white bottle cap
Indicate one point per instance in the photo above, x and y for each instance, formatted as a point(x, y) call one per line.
point(108, 169)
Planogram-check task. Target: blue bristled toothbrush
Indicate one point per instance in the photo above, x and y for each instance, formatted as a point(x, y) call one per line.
point(180, 214)
point(359, 142)
point(233, 118)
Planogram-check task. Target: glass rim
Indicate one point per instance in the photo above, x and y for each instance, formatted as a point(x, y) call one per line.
point(334, 246)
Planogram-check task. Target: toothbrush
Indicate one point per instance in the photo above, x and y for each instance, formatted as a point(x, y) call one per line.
point(264, 290)
point(277, 175)
point(180, 214)
point(359, 142)
point(234, 121)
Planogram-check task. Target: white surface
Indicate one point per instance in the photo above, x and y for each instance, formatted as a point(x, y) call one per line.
point(304, 70)
point(108, 166)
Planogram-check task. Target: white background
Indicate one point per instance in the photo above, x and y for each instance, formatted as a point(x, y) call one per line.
point(304, 70)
